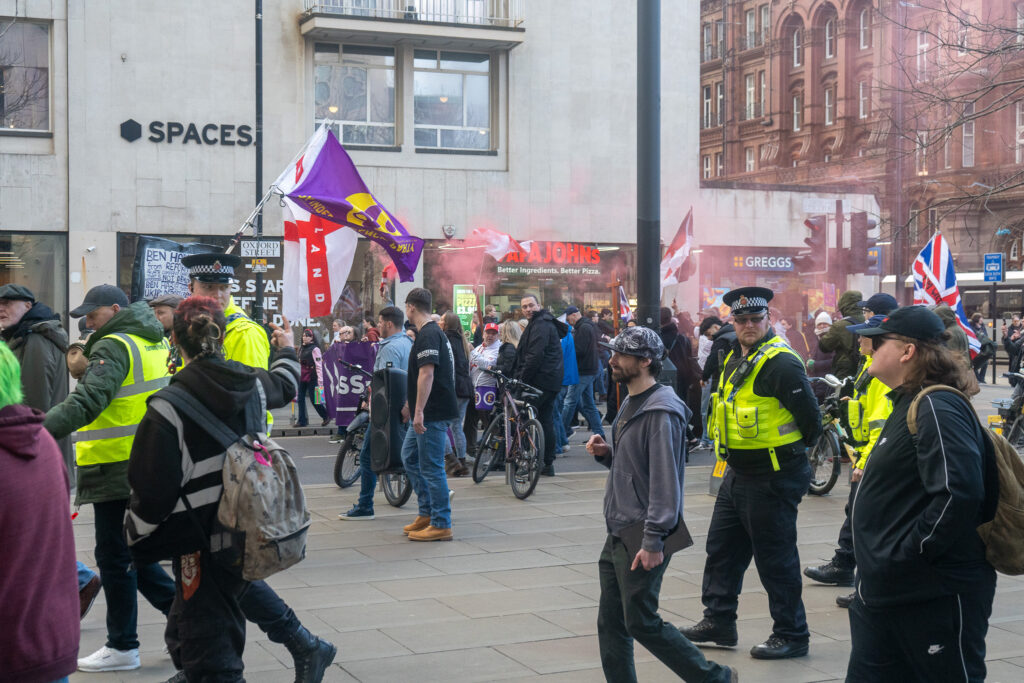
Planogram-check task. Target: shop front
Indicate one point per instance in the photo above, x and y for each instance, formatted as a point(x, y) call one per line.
point(559, 273)
point(39, 261)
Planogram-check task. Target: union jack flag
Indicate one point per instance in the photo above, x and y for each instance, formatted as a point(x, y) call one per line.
point(625, 312)
point(935, 283)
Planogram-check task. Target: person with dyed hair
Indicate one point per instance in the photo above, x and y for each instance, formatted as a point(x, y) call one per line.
point(38, 590)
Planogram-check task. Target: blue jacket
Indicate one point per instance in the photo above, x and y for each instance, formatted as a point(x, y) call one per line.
point(571, 375)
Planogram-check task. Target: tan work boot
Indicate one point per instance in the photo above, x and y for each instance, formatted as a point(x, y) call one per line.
point(419, 524)
point(431, 533)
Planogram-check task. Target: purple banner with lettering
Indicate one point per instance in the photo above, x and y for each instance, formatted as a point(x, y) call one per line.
point(344, 387)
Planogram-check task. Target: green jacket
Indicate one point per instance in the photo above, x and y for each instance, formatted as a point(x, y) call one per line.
point(108, 366)
point(842, 343)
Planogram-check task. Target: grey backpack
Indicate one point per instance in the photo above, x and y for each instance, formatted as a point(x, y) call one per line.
point(262, 518)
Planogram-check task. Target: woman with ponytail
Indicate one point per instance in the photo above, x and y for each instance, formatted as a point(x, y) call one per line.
point(206, 627)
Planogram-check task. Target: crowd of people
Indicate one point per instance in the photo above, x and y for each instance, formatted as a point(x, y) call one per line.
point(743, 385)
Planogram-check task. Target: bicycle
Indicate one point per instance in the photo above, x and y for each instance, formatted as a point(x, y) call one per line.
point(1009, 417)
point(514, 436)
point(826, 455)
point(395, 484)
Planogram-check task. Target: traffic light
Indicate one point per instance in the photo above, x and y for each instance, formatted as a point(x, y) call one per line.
point(873, 259)
point(814, 259)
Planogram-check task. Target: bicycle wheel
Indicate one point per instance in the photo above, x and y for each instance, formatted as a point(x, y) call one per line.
point(825, 464)
point(397, 488)
point(489, 450)
point(526, 463)
point(346, 465)
point(1016, 435)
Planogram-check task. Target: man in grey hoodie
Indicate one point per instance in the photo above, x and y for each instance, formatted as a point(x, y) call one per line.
point(646, 459)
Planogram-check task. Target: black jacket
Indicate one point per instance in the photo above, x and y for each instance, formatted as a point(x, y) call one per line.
point(506, 363)
point(155, 468)
point(584, 338)
point(915, 514)
point(679, 350)
point(539, 354)
point(463, 385)
point(721, 343)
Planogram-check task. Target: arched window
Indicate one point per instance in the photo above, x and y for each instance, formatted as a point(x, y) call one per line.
point(830, 38)
point(798, 47)
point(864, 30)
point(798, 110)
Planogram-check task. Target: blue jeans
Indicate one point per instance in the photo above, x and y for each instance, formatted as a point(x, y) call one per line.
point(84, 575)
point(582, 394)
point(705, 400)
point(561, 438)
point(423, 457)
point(456, 426)
point(263, 607)
point(121, 580)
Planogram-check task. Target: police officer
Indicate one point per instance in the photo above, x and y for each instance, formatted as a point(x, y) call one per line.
point(211, 274)
point(127, 362)
point(762, 418)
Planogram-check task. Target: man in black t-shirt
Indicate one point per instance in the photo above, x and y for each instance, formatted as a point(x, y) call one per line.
point(431, 405)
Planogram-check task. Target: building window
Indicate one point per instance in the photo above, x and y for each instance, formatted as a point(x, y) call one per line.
point(354, 88)
point(1019, 140)
point(863, 93)
point(947, 151)
point(830, 38)
point(720, 92)
point(864, 30)
point(968, 131)
point(749, 152)
point(827, 158)
point(25, 76)
point(764, 94)
point(766, 23)
point(830, 106)
point(1020, 24)
point(751, 101)
point(920, 154)
point(719, 166)
point(1014, 249)
point(707, 166)
point(798, 47)
point(708, 50)
point(452, 100)
point(922, 56)
point(798, 107)
point(913, 228)
point(961, 41)
point(707, 107)
point(933, 221)
point(751, 25)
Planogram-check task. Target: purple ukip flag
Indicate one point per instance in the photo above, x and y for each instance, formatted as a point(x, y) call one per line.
point(343, 388)
point(325, 182)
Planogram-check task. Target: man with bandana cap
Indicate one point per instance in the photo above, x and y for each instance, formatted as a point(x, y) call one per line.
point(245, 341)
point(763, 417)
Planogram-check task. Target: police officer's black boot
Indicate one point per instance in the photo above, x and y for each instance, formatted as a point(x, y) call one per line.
point(831, 573)
point(312, 655)
point(711, 631)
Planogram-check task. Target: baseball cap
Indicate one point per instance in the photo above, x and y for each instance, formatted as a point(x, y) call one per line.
point(491, 327)
point(873, 321)
point(880, 303)
point(100, 295)
point(16, 292)
point(916, 322)
point(571, 309)
point(637, 341)
point(171, 300)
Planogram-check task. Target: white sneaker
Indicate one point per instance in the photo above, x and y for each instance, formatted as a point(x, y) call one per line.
point(109, 659)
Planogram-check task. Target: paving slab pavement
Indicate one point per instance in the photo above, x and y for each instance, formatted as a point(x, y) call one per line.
point(514, 597)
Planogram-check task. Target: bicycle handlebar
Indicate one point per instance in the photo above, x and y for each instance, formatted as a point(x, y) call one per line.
point(497, 374)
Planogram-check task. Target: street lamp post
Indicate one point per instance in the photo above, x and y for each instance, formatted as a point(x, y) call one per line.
point(648, 175)
point(257, 307)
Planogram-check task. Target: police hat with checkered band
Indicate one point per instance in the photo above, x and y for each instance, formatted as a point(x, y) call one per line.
point(216, 267)
point(746, 300)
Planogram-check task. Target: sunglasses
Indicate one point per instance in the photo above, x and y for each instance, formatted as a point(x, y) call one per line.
point(752, 320)
point(876, 342)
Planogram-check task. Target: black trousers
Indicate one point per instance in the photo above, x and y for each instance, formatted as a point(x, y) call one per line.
point(205, 631)
point(844, 553)
point(936, 641)
point(629, 610)
point(545, 414)
point(755, 516)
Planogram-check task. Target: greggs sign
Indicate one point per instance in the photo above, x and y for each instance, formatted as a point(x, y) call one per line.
point(558, 253)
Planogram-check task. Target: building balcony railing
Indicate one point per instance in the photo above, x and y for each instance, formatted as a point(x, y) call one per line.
point(751, 111)
point(710, 52)
point(749, 41)
point(712, 120)
point(489, 13)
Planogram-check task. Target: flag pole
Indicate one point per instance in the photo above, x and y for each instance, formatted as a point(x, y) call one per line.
point(250, 222)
